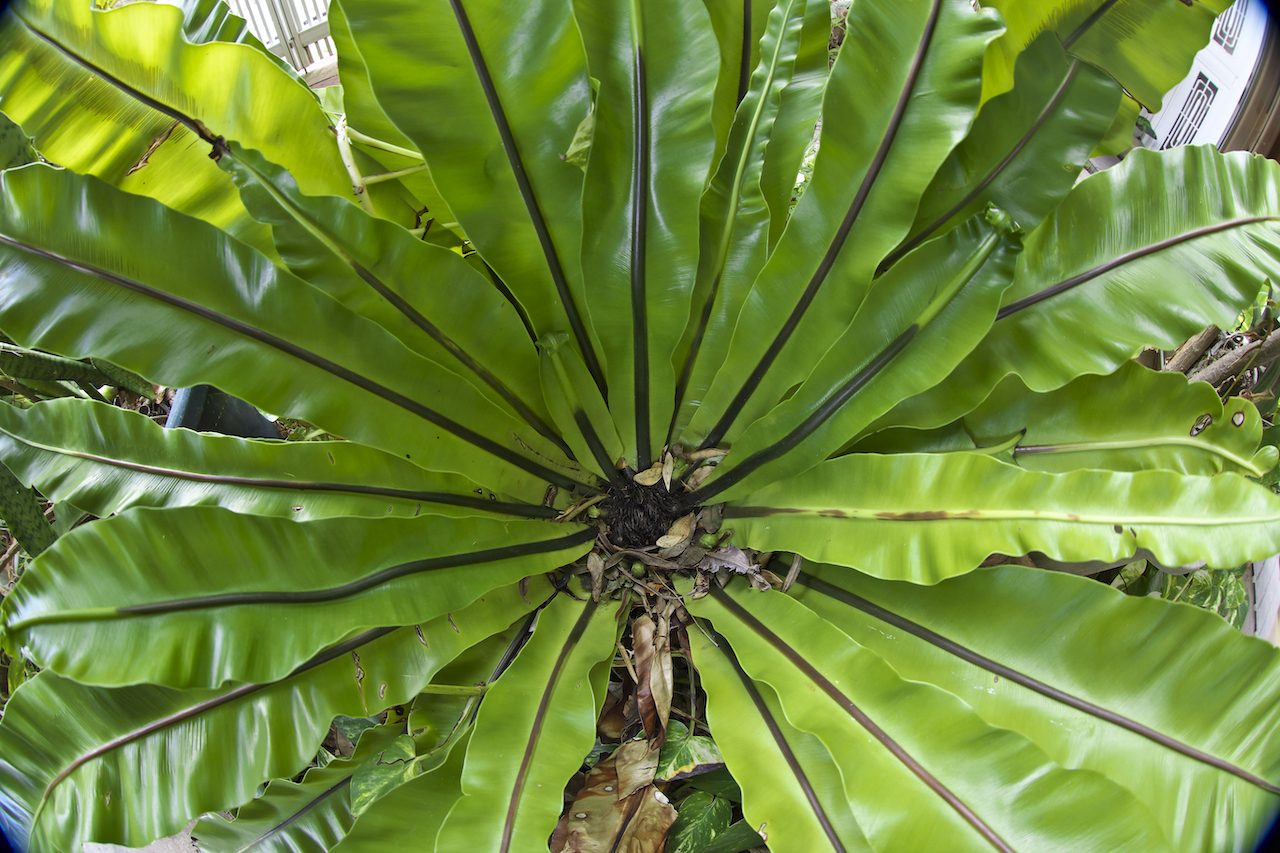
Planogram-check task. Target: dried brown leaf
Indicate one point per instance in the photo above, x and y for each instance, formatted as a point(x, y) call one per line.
point(636, 762)
point(729, 557)
point(595, 565)
point(652, 651)
point(650, 475)
point(698, 476)
point(681, 531)
point(711, 518)
point(793, 572)
point(617, 809)
point(613, 718)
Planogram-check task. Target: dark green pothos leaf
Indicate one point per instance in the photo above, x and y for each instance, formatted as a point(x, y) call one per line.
point(702, 819)
point(686, 754)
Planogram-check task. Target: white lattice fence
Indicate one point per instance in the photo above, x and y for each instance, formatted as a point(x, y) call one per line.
point(297, 30)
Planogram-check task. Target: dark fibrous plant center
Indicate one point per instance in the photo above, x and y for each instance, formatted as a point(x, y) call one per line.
point(638, 515)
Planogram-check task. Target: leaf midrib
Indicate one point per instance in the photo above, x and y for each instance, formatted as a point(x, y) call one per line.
point(861, 514)
point(307, 356)
point(500, 507)
point(1062, 696)
point(314, 596)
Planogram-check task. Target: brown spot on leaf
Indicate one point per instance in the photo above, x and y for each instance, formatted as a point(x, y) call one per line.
point(151, 149)
point(926, 515)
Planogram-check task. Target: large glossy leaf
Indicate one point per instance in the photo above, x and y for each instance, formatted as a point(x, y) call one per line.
point(267, 587)
point(738, 26)
point(791, 789)
point(249, 328)
point(917, 748)
point(534, 728)
point(365, 115)
point(1026, 147)
point(737, 210)
point(656, 63)
point(1116, 36)
point(426, 295)
point(920, 319)
point(80, 763)
point(925, 517)
point(256, 596)
point(492, 96)
point(205, 21)
point(1131, 420)
point(880, 148)
point(578, 408)
point(1146, 253)
point(410, 816)
point(1142, 658)
point(105, 460)
point(309, 816)
point(794, 126)
point(133, 85)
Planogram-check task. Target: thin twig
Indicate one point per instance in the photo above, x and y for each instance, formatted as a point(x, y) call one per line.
point(356, 136)
point(353, 171)
point(391, 176)
point(1191, 350)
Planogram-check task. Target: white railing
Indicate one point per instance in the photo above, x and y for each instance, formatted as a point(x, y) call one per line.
point(296, 30)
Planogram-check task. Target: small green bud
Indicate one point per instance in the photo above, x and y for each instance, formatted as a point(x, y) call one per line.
point(638, 569)
point(708, 540)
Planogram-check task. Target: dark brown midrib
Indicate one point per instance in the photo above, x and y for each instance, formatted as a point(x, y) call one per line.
point(308, 357)
point(837, 243)
point(967, 654)
point(539, 717)
point(840, 698)
point(368, 582)
point(549, 251)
